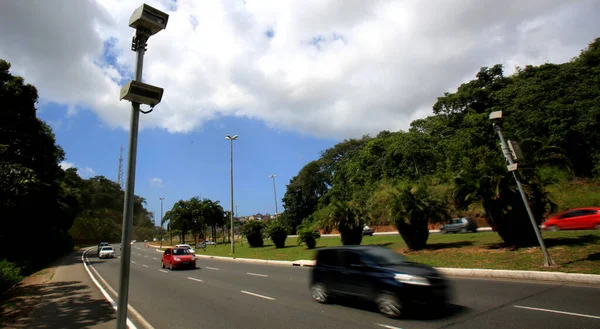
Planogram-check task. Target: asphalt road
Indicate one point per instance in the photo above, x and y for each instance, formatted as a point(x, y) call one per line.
point(226, 294)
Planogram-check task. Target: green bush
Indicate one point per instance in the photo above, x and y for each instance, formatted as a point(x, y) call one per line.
point(307, 233)
point(10, 274)
point(253, 232)
point(278, 233)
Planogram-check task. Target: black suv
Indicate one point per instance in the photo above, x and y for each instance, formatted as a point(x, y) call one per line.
point(377, 274)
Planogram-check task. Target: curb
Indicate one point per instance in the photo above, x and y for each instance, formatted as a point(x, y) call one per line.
point(522, 275)
point(460, 272)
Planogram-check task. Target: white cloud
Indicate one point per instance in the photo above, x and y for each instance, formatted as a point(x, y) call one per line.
point(377, 64)
point(66, 165)
point(157, 182)
point(89, 171)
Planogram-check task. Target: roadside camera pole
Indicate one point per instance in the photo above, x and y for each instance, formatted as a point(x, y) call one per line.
point(147, 21)
point(496, 118)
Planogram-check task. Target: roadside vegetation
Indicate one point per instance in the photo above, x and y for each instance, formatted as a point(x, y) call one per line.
point(449, 164)
point(573, 251)
point(42, 202)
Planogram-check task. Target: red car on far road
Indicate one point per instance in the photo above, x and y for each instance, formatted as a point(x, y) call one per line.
point(574, 219)
point(177, 258)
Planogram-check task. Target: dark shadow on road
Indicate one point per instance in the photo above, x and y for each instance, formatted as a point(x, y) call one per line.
point(578, 241)
point(412, 312)
point(444, 245)
point(66, 305)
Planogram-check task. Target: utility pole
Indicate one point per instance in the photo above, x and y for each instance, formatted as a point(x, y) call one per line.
point(146, 21)
point(274, 193)
point(161, 221)
point(496, 118)
point(231, 139)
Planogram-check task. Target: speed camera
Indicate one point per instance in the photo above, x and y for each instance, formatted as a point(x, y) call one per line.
point(139, 92)
point(148, 20)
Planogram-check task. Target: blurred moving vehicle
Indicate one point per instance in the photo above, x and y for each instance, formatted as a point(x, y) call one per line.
point(178, 257)
point(368, 231)
point(574, 219)
point(376, 274)
point(187, 246)
point(461, 225)
point(107, 252)
point(101, 245)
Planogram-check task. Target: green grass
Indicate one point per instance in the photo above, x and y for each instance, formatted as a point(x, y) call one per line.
point(573, 251)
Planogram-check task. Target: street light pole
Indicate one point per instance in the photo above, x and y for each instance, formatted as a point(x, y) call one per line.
point(144, 29)
point(231, 139)
point(548, 261)
point(161, 221)
point(274, 193)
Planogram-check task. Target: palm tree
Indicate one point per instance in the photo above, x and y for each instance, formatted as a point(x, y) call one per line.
point(349, 219)
point(497, 193)
point(412, 209)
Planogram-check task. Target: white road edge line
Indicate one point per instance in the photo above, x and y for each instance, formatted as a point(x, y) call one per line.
point(189, 277)
point(164, 271)
point(144, 265)
point(256, 274)
point(104, 293)
point(130, 308)
point(212, 268)
point(257, 295)
point(388, 326)
point(559, 312)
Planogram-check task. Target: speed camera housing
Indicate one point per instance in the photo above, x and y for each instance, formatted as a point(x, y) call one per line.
point(142, 93)
point(148, 20)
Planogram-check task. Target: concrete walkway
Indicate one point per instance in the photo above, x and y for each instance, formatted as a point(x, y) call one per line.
point(71, 300)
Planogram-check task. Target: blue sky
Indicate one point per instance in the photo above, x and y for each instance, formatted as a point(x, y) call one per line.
point(192, 164)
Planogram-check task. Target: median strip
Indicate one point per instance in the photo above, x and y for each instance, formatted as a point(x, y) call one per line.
point(558, 312)
point(256, 274)
point(257, 295)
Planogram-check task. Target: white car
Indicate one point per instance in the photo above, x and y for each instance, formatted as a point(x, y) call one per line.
point(107, 252)
point(186, 246)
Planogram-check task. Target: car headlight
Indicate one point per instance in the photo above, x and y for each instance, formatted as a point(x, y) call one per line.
point(177, 259)
point(412, 279)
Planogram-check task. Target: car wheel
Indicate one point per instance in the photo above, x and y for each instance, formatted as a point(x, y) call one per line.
point(319, 293)
point(389, 305)
point(554, 228)
point(171, 266)
point(162, 263)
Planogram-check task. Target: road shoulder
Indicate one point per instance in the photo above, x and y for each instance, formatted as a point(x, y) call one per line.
point(62, 297)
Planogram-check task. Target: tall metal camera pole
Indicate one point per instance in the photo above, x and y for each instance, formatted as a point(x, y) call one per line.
point(139, 46)
point(507, 154)
point(147, 21)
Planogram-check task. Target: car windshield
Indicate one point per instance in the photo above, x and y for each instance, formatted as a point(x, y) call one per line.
point(384, 257)
point(181, 252)
point(107, 249)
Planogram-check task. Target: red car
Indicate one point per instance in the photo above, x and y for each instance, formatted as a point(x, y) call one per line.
point(177, 258)
point(574, 219)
